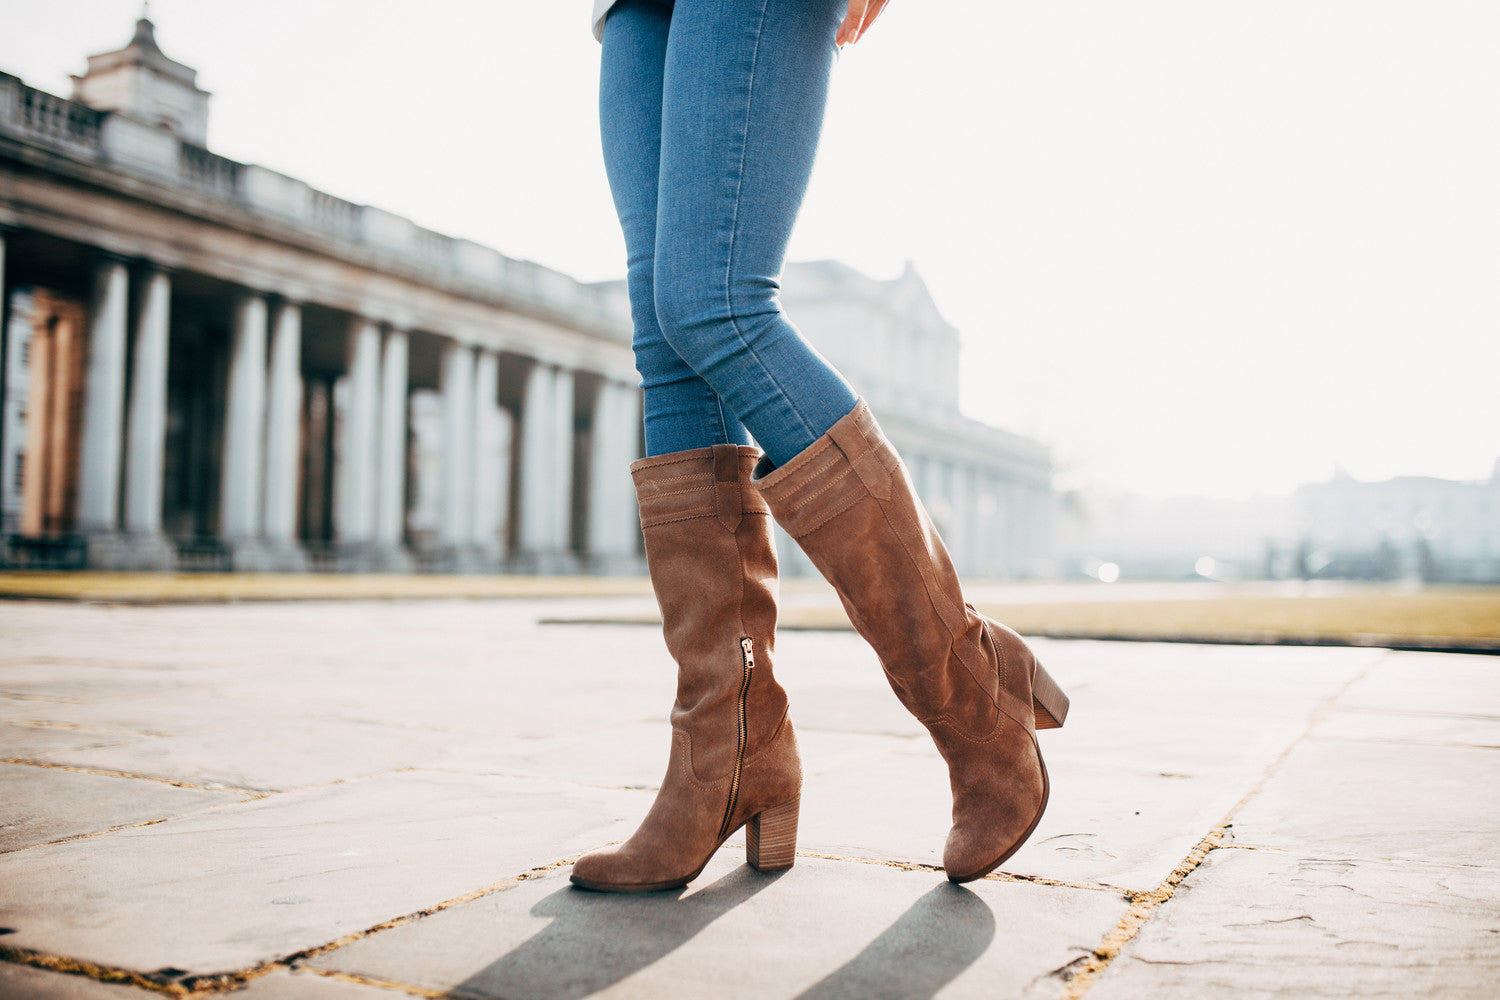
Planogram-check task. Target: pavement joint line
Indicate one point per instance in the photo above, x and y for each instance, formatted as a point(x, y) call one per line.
point(1143, 906)
point(222, 982)
point(51, 699)
point(1397, 741)
point(468, 897)
point(252, 793)
point(1419, 713)
point(384, 984)
point(999, 876)
point(123, 826)
point(110, 974)
point(78, 727)
point(41, 724)
point(527, 776)
point(1349, 858)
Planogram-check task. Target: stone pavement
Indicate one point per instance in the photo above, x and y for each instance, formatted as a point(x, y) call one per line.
point(378, 799)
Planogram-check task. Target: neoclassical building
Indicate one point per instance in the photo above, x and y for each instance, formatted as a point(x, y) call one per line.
point(208, 364)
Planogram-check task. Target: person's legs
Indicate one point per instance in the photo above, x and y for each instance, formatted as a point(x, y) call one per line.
point(681, 411)
point(743, 95)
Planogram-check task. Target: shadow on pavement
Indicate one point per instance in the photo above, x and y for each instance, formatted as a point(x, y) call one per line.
point(940, 936)
point(596, 939)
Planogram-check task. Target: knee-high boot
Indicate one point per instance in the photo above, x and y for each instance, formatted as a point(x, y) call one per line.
point(734, 758)
point(975, 685)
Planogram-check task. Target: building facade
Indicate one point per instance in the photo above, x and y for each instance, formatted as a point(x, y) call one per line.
point(208, 364)
point(1414, 527)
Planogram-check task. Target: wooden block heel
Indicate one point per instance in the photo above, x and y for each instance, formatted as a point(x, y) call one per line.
point(1047, 700)
point(771, 838)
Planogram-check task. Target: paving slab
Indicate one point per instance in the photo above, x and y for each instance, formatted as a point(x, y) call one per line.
point(241, 885)
point(32, 738)
point(300, 984)
point(23, 982)
point(1253, 924)
point(1409, 727)
point(1115, 826)
point(824, 929)
point(420, 752)
point(1192, 709)
point(1161, 744)
point(43, 805)
point(1381, 800)
point(258, 756)
point(1440, 683)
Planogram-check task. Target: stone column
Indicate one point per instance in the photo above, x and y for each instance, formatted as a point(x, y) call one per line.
point(12, 500)
point(562, 488)
point(145, 441)
point(284, 438)
point(538, 449)
point(244, 430)
point(390, 492)
point(484, 524)
point(546, 486)
point(103, 404)
point(456, 510)
point(354, 489)
point(614, 520)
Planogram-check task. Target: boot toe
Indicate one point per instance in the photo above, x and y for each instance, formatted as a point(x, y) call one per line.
point(596, 868)
point(994, 812)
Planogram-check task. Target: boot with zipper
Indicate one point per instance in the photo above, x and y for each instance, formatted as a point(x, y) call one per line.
point(734, 759)
point(975, 685)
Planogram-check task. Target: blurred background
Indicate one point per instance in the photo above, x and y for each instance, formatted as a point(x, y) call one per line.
point(1158, 291)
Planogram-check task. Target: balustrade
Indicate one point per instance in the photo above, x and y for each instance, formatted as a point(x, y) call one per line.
point(210, 172)
point(57, 121)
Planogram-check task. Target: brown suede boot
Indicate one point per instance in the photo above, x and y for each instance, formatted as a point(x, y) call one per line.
point(734, 756)
point(974, 684)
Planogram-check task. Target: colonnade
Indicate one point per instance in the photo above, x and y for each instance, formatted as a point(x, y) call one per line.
point(562, 502)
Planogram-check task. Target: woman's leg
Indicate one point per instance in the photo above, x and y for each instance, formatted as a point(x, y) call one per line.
point(744, 89)
point(681, 411)
point(709, 547)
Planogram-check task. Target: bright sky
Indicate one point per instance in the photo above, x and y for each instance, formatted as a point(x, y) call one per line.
point(1196, 247)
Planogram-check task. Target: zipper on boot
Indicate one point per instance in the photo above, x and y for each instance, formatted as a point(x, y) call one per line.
point(747, 657)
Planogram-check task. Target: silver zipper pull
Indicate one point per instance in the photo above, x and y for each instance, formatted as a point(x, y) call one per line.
point(747, 645)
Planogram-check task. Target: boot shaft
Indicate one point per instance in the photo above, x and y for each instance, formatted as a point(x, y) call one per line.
point(850, 504)
point(712, 557)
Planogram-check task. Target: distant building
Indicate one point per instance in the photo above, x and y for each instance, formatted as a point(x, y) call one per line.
point(1177, 538)
point(1437, 530)
point(207, 364)
point(1410, 527)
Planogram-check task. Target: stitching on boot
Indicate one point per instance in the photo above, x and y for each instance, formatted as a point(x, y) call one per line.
point(690, 771)
point(809, 498)
point(952, 725)
point(677, 520)
point(808, 530)
point(799, 479)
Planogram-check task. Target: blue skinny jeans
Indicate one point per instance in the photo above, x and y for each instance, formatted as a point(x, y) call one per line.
point(710, 112)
